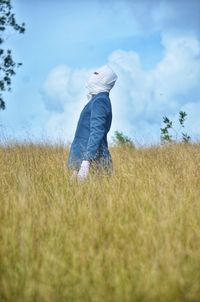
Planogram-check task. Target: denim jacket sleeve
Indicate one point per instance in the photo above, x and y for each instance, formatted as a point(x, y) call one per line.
point(99, 113)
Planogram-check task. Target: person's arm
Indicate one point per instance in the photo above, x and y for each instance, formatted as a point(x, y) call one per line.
point(99, 112)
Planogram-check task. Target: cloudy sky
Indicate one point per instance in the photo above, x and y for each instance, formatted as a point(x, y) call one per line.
point(153, 46)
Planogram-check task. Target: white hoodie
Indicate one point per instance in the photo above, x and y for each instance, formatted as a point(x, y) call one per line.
point(103, 79)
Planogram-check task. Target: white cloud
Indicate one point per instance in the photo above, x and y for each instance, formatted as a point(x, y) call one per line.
point(140, 98)
point(63, 86)
point(64, 94)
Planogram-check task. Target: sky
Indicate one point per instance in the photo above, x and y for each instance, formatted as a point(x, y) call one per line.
point(152, 45)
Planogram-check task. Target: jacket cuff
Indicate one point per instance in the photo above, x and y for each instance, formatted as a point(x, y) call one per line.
point(89, 156)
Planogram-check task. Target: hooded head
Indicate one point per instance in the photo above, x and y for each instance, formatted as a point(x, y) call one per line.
point(102, 80)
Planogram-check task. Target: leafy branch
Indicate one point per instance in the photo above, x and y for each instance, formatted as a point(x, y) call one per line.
point(120, 139)
point(7, 64)
point(167, 137)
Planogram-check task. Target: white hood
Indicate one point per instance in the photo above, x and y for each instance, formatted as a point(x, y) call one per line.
point(102, 80)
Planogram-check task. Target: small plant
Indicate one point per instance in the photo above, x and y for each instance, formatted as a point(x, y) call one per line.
point(120, 139)
point(166, 137)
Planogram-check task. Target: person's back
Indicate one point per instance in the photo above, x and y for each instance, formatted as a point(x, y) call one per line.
point(90, 143)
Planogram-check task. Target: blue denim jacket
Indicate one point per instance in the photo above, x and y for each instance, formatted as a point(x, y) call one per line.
point(90, 140)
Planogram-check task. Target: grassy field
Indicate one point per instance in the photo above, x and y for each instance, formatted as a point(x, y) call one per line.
point(133, 237)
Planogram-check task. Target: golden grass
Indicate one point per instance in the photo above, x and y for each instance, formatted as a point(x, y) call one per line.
point(133, 237)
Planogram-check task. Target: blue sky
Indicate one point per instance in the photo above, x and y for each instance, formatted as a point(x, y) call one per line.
point(152, 45)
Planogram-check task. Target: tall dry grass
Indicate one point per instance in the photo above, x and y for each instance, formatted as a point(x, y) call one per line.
point(133, 237)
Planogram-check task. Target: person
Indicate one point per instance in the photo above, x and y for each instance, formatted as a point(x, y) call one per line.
point(90, 146)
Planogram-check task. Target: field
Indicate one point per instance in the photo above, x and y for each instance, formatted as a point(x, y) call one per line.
point(133, 237)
